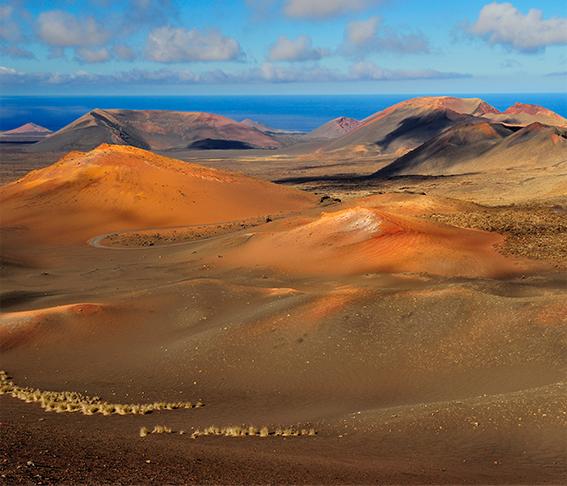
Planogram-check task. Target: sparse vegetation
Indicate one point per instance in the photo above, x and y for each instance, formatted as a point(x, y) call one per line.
point(532, 231)
point(159, 429)
point(69, 402)
point(233, 431)
point(251, 431)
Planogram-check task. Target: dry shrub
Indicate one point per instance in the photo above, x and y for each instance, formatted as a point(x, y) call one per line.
point(69, 401)
point(158, 429)
point(251, 431)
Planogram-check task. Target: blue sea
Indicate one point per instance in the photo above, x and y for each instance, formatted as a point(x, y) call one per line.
point(301, 113)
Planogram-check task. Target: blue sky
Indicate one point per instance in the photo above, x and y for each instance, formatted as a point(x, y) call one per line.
point(282, 46)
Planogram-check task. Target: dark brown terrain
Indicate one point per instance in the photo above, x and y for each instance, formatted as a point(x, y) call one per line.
point(401, 292)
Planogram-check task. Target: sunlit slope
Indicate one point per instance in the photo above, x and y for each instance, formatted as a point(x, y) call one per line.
point(363, 239)
point(113, 188)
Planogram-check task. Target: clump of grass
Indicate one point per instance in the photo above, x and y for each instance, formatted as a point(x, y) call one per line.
point(251, 431)
point(70, 401)
point(158, 429)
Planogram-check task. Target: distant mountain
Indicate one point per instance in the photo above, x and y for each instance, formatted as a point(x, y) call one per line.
point(334, 129)
point(29, 132)
point(523, 114)
point(28, 128)
point(483, 147)
point(406, 125)
point(156, 130)
point(394, 131)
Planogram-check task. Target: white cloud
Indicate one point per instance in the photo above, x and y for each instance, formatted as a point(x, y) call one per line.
point(392, 41)
point(360, 32)
point(363, 36)
point(124, 52)
point(7, 71)
point(85, 54)
point(16, 52)
point(9, 28)
point(504, 24)
point(300, 49)
point(320, 9)
point(61, 29)
point(168, 44)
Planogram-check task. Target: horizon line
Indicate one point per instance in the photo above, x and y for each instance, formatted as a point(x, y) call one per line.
point(246, 95)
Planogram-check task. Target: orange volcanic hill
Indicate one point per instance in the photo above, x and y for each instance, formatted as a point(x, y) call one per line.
point(363, 239)
point(405, 126)
point(524, 114)
point(464, 106)
point(483, 147)
point(115, 188)
point(408, 124)
point(156, 130)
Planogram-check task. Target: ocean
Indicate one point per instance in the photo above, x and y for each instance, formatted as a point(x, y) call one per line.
point(301, 113)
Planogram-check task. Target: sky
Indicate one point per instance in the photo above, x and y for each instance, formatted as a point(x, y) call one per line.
point(168, 47)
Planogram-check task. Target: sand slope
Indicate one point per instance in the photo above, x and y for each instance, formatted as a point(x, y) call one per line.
point(406, 378)
point(115, 188)
point(361, 239)
point(51, 324)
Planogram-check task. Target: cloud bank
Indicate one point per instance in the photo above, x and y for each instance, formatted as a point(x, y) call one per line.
point(168, 44)
point(265, 73)
point(300, 49)
point(322, 9)
point(61, 29)
point(503, 24)
point(365, 36)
